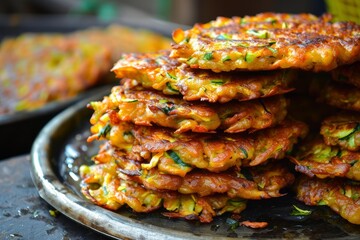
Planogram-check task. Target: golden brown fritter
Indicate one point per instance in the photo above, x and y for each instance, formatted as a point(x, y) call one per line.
point(250, 183)
point(348, 74)
point(341, 196)
point(206, 183)
point(158, 71)
point(215, 152)
point(315, 158)
point(38, 68)
point(342, 129)
point(104, 187)
point(339, 95)
point(149, 107)
point(122, 39)
point(268, 41)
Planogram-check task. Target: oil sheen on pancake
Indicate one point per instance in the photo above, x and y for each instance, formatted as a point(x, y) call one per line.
point(214, 152)
point(158, 71)
point(268, 41)
point(147, 108)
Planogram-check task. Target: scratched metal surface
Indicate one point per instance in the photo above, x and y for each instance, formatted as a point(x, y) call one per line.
point(24, 215)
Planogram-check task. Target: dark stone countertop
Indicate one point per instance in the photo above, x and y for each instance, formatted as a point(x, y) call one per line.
point(24, 215)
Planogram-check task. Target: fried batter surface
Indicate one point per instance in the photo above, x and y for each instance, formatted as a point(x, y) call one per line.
point(209, 151)
point(149, 107)
point(341, 196)
point(268, 41)
point(315, 158)
point(158, 71)
point(104, 187)
point(342, 129)
point(250, 183)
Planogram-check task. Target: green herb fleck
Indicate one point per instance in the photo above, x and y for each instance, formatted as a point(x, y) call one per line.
point(208, 56)
point(357, 128)
point(225, 59)
point(105, 130)
point(170, 76)
point(249, 57)
point(167, 109)
point(258, 33)
point(54, 213)
point(271, 20)
point(223, 36)
point(300, 212)
point(352, 163)
point(243, 44)
point(217, 81)
point(244, 152)
point(127, 100)
point(168, 85)
point(273, 50)
point(191, 60)
point(176, 158)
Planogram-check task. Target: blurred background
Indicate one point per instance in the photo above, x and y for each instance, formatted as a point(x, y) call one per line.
point(178, 11)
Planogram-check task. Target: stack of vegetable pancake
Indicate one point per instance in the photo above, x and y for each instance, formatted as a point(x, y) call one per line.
point(202, 127)
point(331, 159)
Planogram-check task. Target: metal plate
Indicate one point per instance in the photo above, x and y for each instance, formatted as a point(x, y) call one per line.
point(61, 148)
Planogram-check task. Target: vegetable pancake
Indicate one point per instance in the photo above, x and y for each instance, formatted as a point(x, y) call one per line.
point(315, 158)
point(268, 41)
point(122, 39)
point(215, 152)
point(149, 107)
point(342, 129)
point(104, 187)
point(249, 183)
point(158, 71)
point(38, 68)
point(340, 195)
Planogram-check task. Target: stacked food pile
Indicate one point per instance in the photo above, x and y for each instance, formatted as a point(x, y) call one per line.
point(331, 159)
point(199, 129)
point(36, 69)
